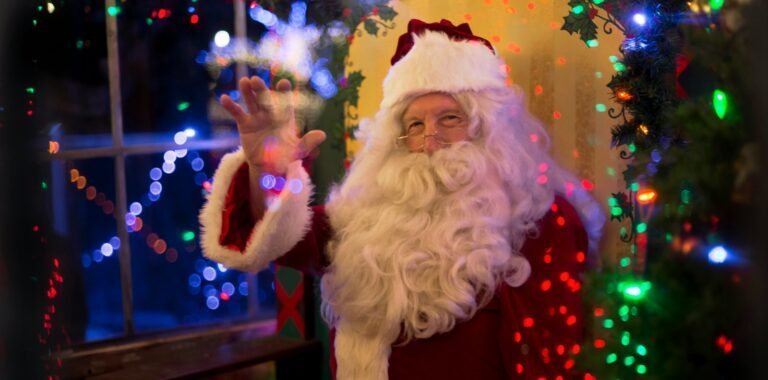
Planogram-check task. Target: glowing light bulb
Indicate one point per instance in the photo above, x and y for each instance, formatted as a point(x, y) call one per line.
point(221, 38)
point(716, 5)
point(640, 19)
point(718, 255)
point(646, 196)
point(623, 95)
point(720, 103)
point(634, 290)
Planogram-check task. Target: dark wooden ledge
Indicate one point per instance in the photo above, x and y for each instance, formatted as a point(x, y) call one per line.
point(197, 354)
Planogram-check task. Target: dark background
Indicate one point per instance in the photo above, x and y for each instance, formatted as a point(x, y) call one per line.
point(22, 265)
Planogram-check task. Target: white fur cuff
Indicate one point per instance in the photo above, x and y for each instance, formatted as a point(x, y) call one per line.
point(284, 224)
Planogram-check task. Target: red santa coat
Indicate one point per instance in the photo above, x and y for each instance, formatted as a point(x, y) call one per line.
point(529, 332)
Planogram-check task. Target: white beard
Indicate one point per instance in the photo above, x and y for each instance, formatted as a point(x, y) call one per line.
point(418, 250)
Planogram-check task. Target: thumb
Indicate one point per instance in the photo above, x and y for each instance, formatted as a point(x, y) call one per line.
point(309, 142)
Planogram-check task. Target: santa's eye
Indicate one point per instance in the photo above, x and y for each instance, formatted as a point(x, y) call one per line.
point(415, 128)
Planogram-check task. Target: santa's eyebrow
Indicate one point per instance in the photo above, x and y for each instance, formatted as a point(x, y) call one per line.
point(410, 118)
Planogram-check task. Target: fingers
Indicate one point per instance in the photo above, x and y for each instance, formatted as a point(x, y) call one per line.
point(233, 108)
point(284, 85)
point(249, 97)
point(309, 142)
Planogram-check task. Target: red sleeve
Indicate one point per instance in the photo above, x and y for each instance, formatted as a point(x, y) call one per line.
point(236, 219)
point(308, 255)
point(543, 319)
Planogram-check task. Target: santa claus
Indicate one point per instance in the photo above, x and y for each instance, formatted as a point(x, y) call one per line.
point(453, 247)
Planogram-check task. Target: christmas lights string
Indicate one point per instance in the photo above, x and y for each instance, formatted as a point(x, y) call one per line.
point(622, 295)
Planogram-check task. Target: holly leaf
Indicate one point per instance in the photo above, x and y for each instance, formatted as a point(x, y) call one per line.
point(588, 30)
point(350, 93)
point(386, 13)
point(621, 200)
point(371, 27)
point(570, 23)
point(581, 24)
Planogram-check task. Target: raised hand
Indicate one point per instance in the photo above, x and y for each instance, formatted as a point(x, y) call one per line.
point(268, 132)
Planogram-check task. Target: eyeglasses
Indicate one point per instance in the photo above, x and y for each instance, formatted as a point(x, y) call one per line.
point(445, 134)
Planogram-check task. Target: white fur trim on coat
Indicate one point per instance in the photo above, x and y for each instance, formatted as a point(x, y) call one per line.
point(284, 224)
point(437, 63)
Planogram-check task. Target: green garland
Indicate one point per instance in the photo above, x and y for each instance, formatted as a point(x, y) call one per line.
point(671, 314)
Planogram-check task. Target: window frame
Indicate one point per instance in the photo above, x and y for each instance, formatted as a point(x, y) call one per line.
point(119, 151)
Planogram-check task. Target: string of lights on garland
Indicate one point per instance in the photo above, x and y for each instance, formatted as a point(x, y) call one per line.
point(667, 305)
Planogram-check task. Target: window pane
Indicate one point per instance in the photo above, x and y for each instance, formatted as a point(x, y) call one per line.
point(73, 93)
point(82, 209)
point(173, 284)
point(165, 83)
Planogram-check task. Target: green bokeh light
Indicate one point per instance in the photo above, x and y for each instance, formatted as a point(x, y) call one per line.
point(113, 11)
point(634, 290)
point(188, 235)
point(720, 103)
point(625, 261)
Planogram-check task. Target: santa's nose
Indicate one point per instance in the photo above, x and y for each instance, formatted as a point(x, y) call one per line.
point(431, 143)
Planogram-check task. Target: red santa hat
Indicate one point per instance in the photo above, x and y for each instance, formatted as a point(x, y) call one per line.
point(441, 57)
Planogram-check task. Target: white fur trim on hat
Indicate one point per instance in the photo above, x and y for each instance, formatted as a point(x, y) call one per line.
point(437, 63)
point(284, 224)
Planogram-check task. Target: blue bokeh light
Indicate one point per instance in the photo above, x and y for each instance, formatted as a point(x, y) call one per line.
point(279, 183)
point(194, 280)
point(115, 242)
point(155, 174)
point(169, 167)
point(136, 208)
point(209, 273)
point(107, 250)
point(155, 188)
point(197, 164)
point(228, 288)
point(212, 302)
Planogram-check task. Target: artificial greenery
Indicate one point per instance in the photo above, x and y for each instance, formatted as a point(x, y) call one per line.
point(699, 166)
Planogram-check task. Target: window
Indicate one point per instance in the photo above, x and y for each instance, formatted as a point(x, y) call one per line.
point(135, 135)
